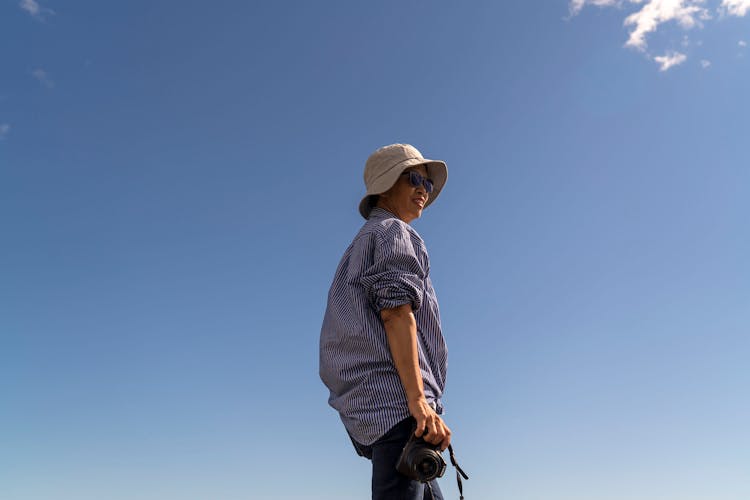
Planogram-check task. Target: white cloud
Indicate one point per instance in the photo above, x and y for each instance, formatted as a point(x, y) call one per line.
point(43, 78)
point(576, 5)
point(669, 60)
point(30, 6)
point(736, 7)
point(705, 63)
point(33, 8)
point(687, 13)
point(4, 129)
point(643, 18)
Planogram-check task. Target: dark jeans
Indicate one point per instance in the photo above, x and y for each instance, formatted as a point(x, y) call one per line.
point(387, 482)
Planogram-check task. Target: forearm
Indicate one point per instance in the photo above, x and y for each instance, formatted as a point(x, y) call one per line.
point(401, 331)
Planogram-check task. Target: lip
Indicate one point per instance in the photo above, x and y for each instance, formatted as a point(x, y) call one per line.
point(420, 201)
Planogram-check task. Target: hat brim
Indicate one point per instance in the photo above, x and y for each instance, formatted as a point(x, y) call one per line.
point(436, 170)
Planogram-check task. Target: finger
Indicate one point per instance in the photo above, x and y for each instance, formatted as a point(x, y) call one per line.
point(447, 440)
point(433, 433)
point(440, 433)
point(421, 426)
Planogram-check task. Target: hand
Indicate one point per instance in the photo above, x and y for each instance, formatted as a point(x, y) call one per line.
point(430, 426)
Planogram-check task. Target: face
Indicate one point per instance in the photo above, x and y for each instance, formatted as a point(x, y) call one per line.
point(403, 199)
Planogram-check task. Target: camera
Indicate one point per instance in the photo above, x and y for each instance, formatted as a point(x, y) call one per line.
point(420, 460)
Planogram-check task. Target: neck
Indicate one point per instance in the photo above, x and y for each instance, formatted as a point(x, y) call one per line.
point(386, 206)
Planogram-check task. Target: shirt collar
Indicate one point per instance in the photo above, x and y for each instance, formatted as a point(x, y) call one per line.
point(381, 213)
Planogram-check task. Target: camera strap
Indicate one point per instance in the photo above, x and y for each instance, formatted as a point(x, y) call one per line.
point(459, 472)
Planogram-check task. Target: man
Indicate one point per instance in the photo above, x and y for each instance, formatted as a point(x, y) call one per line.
point(382, 352)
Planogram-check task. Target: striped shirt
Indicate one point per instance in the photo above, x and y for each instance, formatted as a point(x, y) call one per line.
point(384, 267)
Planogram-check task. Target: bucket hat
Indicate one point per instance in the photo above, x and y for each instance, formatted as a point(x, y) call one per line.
point(385, 165)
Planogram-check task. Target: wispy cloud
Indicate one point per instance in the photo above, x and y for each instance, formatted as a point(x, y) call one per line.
point(735, 7)
point(30, 6)
point(742, 43)
point(669, 60)
point(576, 5)
point(4, 129)
point(705, 63)
point(687, 13)
point(33, 8)
point(43, 78)
point(652, 14)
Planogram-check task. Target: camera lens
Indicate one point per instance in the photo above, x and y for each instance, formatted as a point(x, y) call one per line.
point(421, 461)
point(428, 468)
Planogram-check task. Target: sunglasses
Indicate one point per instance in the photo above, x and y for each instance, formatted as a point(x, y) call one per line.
point(416, 180)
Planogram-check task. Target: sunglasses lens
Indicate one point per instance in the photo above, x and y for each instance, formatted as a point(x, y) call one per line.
point(416, 180)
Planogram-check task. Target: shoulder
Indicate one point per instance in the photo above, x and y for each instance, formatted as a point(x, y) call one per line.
point(392, 228)
point(392, 236)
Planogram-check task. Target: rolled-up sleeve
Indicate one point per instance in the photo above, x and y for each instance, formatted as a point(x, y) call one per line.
point(396, 276)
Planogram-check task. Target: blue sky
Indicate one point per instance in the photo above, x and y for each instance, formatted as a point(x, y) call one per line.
point(178, 181)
